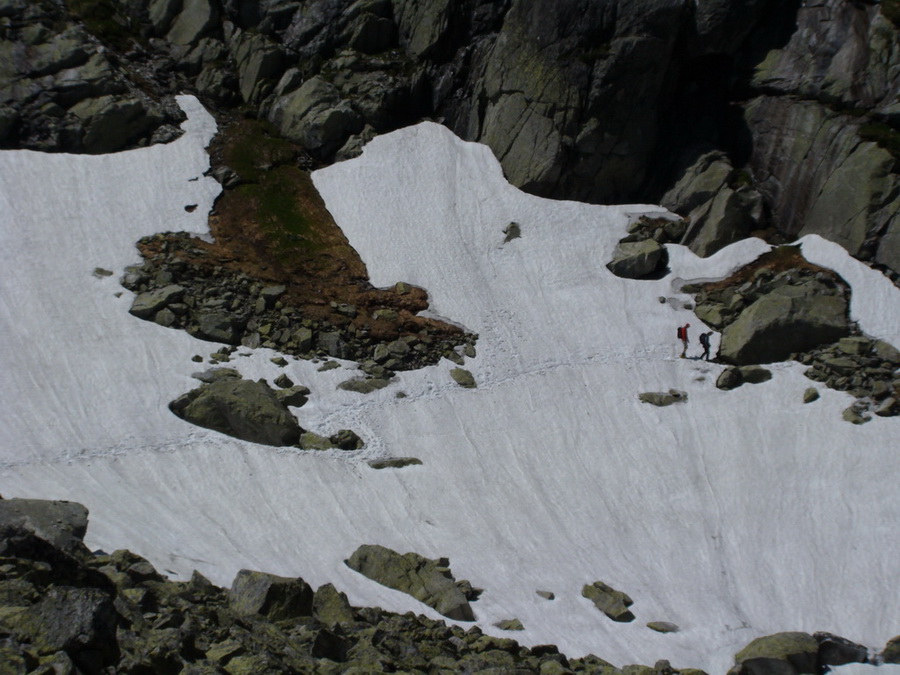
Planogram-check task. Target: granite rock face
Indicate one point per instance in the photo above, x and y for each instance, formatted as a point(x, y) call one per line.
point(742, 116)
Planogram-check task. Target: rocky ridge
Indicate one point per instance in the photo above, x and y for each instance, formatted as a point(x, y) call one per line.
point(64, 609)
point(767, 118)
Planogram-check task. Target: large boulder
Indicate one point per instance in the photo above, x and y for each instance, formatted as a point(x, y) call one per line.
point(61, 523)
point(779, 654)
point(276, 598)
point(608, 600)
point(415, 575)
point(244, 409)
point(790, 319)
point(79, 621)
point(638, 259)
point(835, 650)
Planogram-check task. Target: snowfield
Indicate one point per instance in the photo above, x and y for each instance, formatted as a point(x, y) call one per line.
point(734, 515)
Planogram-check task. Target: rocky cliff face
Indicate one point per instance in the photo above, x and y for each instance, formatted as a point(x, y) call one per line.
point(596, 100)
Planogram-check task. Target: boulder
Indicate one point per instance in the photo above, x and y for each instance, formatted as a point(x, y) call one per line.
point(313, 441)
point(260, 62)
point(810, 394)
point(196, 19)
point(112, 122)
point(637, 260)
point(276, 598)
point(730, 378)
point(61, 523)
point(79, 621)
point(509, 624)
point(423, 24)
point(661, 399)
point(346, 439)
point(394, 462)
point(364, 386)
point(889, 407)
point(216, 326)
point(789, 320)
point(331, 607)
point(837, 651)
point(295, 396)
point(241, 408)
point(415, 575)
point(729, 217)
point(316, 117)
point(370, 33)
point(663, 627)
point(699, 183)
point(779, 654)
point(146, 305)
point(891, 651)
point(161, 13)
point(611, 602)
point(463, 378)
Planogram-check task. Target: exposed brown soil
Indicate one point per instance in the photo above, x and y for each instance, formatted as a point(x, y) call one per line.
point(779, 259)
point(275, 227)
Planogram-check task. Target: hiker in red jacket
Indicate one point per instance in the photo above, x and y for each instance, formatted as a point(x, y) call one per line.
point(683, 336)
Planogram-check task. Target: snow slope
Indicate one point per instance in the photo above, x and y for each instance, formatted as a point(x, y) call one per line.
point(734, 515)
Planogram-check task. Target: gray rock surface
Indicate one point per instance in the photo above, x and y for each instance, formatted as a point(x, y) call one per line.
point(835, 650)
point(781, 654)
point(276, 598)
point(415, 575)
point(316, 117)
point(662, 399)
point(608, 600)
point(63, 524)
point(241, 408)
point(788, 320)
point(463, 378)
point(637, 260)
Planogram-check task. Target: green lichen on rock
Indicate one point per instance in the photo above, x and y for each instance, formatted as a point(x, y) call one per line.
point(662, 399)
point(395, 462)
point(608, 600)
point(241, 408)
point(415, 575)
point(463, 378)
point(274, 597)
point(791, 653)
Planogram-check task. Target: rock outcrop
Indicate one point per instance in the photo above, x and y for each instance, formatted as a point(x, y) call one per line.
point(779, 308)
point(178, 287)
point(744, 118)
point(774, 308)
point(428, 581)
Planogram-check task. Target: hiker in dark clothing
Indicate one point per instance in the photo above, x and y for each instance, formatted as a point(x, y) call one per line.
point(683, 336)
point(704, 342)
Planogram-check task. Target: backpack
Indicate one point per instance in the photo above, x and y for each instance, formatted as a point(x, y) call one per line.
point(704, 339)
point(681, 332)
